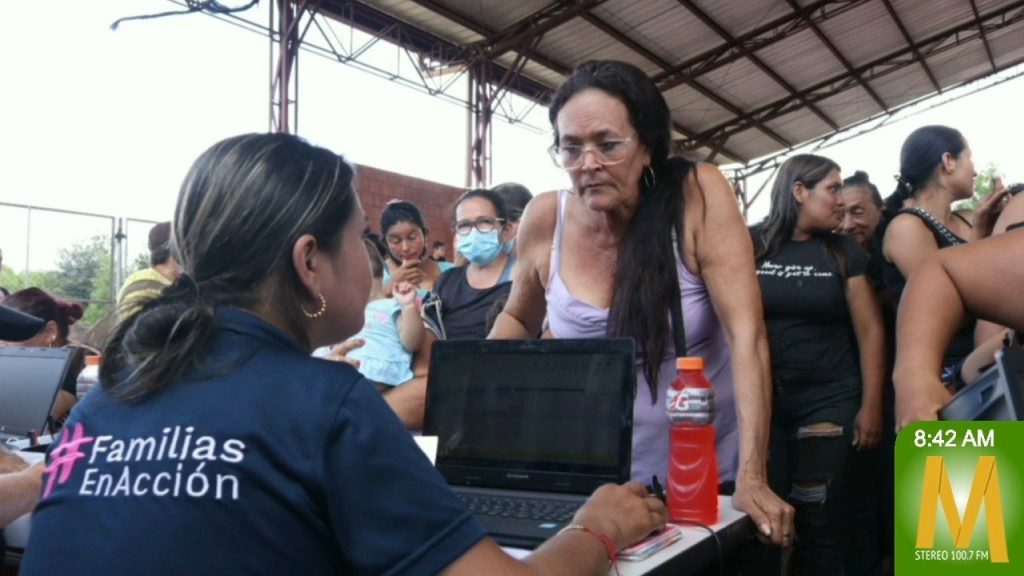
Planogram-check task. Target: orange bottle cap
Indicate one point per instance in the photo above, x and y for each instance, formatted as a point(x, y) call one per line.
point(92, 360)
point(690, 363)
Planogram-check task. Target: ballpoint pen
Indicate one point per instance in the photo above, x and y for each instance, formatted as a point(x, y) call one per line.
point(656, 489)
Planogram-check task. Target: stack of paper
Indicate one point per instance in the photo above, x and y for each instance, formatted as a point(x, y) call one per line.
point(651, 544)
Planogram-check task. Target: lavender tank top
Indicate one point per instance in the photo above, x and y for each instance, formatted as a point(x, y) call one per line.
point(572, 318)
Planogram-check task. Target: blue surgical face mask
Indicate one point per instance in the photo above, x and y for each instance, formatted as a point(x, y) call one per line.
point(480, 248)
point(508, 247)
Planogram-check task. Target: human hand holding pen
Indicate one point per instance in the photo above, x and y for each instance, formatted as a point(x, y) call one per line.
point(656, 490)
point(625, 513)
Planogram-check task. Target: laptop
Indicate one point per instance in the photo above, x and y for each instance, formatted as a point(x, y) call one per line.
point(998, 394)
point(29, 381)
point(528, 429)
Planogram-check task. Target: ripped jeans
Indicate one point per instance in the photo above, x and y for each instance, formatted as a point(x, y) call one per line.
point(812, 431)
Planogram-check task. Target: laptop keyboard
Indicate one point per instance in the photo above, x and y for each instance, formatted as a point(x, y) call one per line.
point(526, 508)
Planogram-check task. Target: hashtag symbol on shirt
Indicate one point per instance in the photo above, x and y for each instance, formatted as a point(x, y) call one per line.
point(64, 456)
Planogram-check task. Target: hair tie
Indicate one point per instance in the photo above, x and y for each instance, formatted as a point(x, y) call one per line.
point(188, 282)
point(903, 184)
point(184, 288)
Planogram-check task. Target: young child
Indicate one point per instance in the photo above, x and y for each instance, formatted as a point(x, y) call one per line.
point(392, 329)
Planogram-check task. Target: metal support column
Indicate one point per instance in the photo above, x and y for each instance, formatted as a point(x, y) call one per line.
point(739, 188)
point(285, 41)
point(481, 110)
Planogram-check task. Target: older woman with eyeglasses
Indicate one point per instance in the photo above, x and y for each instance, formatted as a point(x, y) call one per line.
point(638, 234)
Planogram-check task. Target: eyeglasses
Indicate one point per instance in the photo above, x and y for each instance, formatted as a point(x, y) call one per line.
point(483, 225)
point(606, 153)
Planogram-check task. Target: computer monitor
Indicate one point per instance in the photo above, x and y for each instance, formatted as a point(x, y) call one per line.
point(998, 394)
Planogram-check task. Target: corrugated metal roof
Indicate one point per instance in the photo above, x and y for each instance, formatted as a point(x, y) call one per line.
point(694, 111)
point(1007, 48)
point(579, 41)
point(427, 19)
point(742, 83)
point(801, 59)
point(850, 106)
point(906, 85)
point(741, 16)
point(797, 126)
point(923, 19)
point(864, 33)
point(658, 25)
point(498, 15)
point(744, 78)
point(959, 64)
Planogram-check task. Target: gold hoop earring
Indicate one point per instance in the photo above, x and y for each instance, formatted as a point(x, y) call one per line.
point(318, 313)
point(649, 179)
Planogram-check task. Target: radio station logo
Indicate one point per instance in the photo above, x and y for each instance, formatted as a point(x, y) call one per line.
point(958, 498)
point(984, 490)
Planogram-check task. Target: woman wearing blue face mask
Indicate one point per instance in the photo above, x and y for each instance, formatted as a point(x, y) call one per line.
point(463, 297)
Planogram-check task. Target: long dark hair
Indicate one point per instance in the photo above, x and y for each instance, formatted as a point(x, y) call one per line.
point(242, 206)
point(645, 281)
point(920, 156)
point(780, 224)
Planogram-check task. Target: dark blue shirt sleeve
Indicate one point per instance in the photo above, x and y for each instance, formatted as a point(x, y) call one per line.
point(391, 511)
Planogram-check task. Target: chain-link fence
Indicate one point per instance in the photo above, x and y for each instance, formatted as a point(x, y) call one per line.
point(74, 255)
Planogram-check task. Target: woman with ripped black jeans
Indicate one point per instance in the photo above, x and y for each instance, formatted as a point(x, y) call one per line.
point(827, 347)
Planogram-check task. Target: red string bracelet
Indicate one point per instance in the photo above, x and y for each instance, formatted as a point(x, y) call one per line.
point(609, 546)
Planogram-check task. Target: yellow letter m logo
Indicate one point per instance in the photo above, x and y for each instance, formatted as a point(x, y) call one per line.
point(984, 487)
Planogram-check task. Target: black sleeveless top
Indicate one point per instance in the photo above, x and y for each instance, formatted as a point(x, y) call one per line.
point(457, 311)
point(894, 283)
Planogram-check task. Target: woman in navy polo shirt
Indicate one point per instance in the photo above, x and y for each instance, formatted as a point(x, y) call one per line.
point(217, 445)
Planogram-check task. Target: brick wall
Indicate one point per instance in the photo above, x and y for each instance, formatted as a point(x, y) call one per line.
point(435, 201)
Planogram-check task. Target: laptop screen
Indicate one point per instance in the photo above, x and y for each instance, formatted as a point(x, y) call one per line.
point(545, 414)
point(29, 379)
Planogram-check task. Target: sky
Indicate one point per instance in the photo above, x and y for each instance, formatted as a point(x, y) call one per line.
point(108, 122)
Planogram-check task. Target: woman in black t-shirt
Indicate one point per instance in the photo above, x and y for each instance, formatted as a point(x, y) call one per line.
point(827, 348)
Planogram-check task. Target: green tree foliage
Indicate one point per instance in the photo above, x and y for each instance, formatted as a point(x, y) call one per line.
point(78, 268)
point(141, 262)
point(83, 274)
point(102, 295)
point(13, 281)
